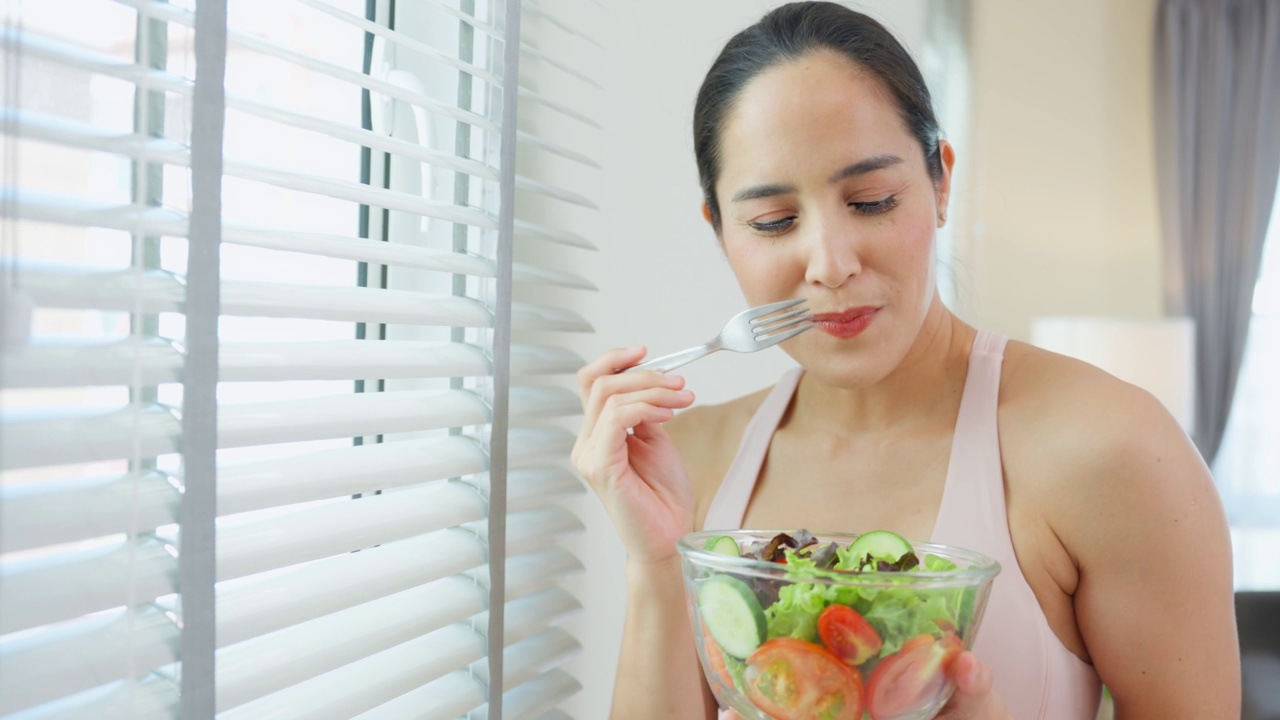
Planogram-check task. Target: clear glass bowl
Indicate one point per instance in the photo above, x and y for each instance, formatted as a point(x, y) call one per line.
point(773, 647)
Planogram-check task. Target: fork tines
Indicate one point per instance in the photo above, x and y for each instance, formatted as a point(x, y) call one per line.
point(780, 316)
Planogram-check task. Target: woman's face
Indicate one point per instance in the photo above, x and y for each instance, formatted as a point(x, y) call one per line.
point(824, 195)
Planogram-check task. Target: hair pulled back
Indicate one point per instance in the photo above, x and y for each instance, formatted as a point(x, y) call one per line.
point(789, 33)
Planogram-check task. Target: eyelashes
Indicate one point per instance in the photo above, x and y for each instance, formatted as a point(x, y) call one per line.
point(781, 225)
point(773, 227)
point(877, 207)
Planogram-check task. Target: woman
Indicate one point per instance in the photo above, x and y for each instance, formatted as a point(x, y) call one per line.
point(824, 178)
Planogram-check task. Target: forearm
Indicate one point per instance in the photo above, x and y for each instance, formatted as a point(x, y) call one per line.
point(658, 671)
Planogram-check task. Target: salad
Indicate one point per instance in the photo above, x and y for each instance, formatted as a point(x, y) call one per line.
point(806, 648)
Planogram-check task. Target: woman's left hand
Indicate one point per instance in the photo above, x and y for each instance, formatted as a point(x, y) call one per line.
point(973, 699)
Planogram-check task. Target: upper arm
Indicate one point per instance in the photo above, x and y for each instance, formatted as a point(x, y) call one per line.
point(1154, 601)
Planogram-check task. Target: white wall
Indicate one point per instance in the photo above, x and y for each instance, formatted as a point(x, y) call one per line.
point(663, 281)
point(1061, 164)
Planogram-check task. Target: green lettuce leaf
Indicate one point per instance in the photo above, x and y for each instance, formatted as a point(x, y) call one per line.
point(736, 668)
point(900, 614)
point(933, 563)
point(897, 613)
point(795, 614)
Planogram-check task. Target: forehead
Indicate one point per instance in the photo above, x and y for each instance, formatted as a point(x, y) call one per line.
point(820, 110)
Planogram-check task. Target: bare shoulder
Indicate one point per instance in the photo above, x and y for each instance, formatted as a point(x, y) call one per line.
point(1088, 431)
point(707, 437)
point(1073, 436)
point(1122, 488)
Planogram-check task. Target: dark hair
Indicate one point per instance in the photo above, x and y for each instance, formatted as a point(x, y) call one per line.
point(791, 32)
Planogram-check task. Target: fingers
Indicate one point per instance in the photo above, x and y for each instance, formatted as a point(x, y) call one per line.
point(607, 364)
point(973, 698)
point(599, 384)
point(612, 393)
point(615, 402)
point(622, 411)
point(650, 432)
point(610, 415)
point(972, 676)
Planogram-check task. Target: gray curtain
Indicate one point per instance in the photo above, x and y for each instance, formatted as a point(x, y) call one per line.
point(1217, 123)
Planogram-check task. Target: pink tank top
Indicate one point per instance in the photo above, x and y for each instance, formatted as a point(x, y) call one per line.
point(1038, 677)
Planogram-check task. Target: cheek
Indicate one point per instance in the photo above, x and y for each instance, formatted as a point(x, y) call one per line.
point(915, 248)
point(921, 249)
point(763, 269)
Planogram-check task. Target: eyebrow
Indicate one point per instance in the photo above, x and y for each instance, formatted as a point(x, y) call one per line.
point(862, 167)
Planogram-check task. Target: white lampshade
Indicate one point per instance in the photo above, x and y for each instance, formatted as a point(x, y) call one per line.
point(1157, 355)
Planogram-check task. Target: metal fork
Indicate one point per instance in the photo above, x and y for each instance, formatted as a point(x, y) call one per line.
point(748, 331)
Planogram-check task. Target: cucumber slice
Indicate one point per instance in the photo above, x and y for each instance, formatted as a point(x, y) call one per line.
point(732, 614)
point(723, 545)
point(880, 545)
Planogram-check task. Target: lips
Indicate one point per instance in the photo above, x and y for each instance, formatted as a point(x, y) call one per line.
point(847, 323)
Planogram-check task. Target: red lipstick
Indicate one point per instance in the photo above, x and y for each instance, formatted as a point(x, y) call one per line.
point(846, 324)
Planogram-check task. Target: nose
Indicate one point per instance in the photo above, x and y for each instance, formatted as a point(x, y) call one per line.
point(833, 254)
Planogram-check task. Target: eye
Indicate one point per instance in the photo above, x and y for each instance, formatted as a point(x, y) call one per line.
point(773, 227)
point(876, 207)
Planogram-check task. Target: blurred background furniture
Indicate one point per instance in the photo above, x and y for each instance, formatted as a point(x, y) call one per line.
point(1258, 621)
point(1156, 354)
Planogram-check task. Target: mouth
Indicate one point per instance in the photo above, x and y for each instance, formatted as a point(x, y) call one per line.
point(846, 324)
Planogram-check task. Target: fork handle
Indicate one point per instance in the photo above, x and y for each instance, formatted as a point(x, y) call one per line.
point(667, 363)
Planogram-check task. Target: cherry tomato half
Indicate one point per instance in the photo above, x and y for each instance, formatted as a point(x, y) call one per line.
point(848, 635)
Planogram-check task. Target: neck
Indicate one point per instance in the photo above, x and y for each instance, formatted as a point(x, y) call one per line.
point(929, 379)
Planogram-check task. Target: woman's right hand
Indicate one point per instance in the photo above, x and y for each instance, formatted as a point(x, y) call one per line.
point(627, 457)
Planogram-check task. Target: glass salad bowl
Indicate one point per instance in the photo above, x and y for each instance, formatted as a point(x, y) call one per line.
point(837, 626)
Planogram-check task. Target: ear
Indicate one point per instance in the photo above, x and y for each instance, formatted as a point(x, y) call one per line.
point(947, 155)
point(706, 213)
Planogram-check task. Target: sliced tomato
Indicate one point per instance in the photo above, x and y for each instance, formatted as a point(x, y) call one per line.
point(945, 625)
point(715, 659)
point(791, 679)
point(848, 635)
point(952, 644)
point(915, 642)
point(912, 677)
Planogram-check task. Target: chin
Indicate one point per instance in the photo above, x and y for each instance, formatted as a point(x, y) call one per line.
point(846, 370)
point(841, 364)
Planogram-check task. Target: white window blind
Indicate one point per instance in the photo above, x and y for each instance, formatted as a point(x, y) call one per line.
point(389, 471)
